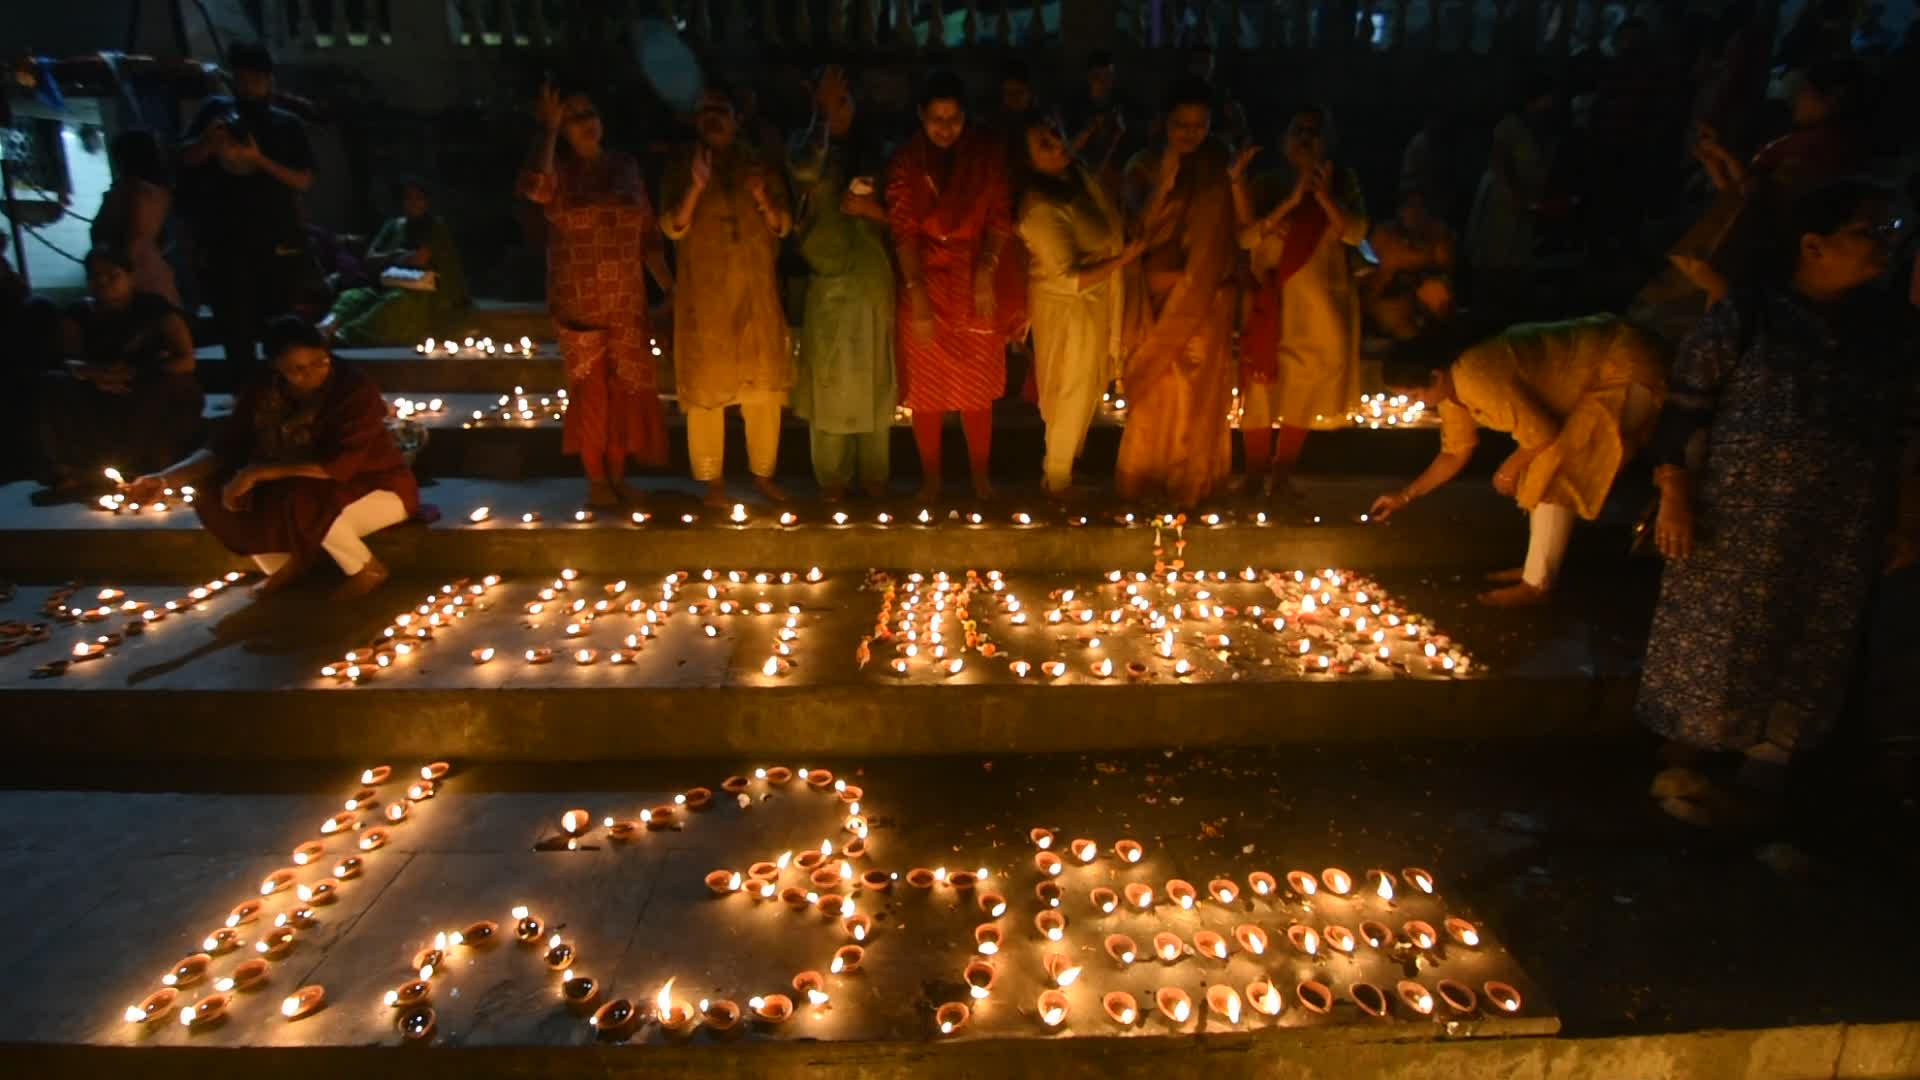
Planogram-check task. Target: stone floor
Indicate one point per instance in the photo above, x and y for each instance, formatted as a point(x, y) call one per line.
point(1621, 922)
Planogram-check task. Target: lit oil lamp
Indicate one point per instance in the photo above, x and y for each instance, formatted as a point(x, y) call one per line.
point(1376, 934)
point(951, 1017)
point(560, 955)
point(1261, 883)
point(1504, 997)
point(153, 1007)
point(1251, 938)
point(1340, 938)
point(1129, 851)
point(676, 1017)
point(1061, 969)
point(1047, 863)
point(1104, 899)
point(992, 902)
point(615, 1019)
point(847, 960)
point(1304, 939)
point(308, 852)
point(278, 880)
point(1421, 934)
point(1264, 998)
point(980, 975)
point(1223, 891)
point(1182, 893)
point(1414, 996)
point(412, 992)
point(857, 927)
point(1122, 949)
point(303, 1002)
point(1084, 850)
point(1302, 883)
point(813, 986)
point(244, 912)
point(1168, 946)
point(1051, 924)
point(1223, 1001)
point(1174, 1004)
point(719, 1016)
point(771, 1009)
point(373, 839)
point(1463, 932)
point(987, 938)
point(207, 1011)
point(1381, 883)
point(1139, 895)
point(1314, 996)
point(1121, 1008)
point(324, 891)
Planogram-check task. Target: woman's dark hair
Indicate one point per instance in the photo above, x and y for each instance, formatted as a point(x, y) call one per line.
point(1189, 91)
point(137, 154)
point(943, 85)
point(291, 332)
point(109, 253)
point(1826, 210)
point(410, 182)
point(249, 56)
point(1060, 190)
point(1328, 132)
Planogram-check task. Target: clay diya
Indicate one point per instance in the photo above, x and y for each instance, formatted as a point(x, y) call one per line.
point(1122, 948)
point(980, 976)
point(1223, 891)
point(303, 1002)
point(987, 938)
point(951, 1017)
point(1251, 938)
point(1302, 883)
point(615, 1019)
point(771, 1009)
point(1458, 995)
point(1182, 893)
point(1371, 999)
point(1264, 998)
point(1420, 934)
point(1168, 946)
point(846, 960)
point(1139, 895)
point(1209, 944)
point(1261, 883)
point(1340, 938)
point(1129, 851)
point(188, 971)
point(207, 1011)
point(1414, 996)
point(580, 992)
point(1223, 1001)
point(1174, 1004)
point(993, 903)
point(1061, 969)
point(1314, 996)
point(409, 993)
point(1463, 932)
point(721, 1016)
point(1121, 1008)
point(1104, 899)
point(1504, 997)
point(154, 1007)
point(1051, 924)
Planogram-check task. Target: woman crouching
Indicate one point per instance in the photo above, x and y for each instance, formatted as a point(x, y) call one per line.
point(304, 465)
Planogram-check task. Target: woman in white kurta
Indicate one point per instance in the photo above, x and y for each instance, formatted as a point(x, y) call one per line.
point(1300, 342)
point(1075, 239)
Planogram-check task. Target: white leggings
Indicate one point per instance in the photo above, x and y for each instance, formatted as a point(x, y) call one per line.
point(707, 439)
point(362, 517)
point(1551, 526)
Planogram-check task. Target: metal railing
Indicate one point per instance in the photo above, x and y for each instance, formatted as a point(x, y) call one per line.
point(1548, 27)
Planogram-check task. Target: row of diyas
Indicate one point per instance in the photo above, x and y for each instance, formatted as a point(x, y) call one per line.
point(480, 346)
point(109, 602)
point(118, 503)
point(739, 514)
point(368, 823)
point(411, 630)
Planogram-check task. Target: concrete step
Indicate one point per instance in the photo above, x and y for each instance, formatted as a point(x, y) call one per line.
point(196, 684)
point(1466, 525)
point(402, 370)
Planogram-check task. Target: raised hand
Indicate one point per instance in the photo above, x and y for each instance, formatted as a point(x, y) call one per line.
point(546, 107)
point(1237, 170)
point(701, 168)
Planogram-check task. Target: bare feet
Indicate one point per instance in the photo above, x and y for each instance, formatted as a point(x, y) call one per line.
point(1518, 595)
point(628, 495)
point(982, 487)
point(1507, 577)
point(716, 495)
point(769, 490)
point(371, 576)
point(600, 495)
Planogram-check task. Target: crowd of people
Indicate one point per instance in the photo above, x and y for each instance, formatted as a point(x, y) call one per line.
point(1184, 261)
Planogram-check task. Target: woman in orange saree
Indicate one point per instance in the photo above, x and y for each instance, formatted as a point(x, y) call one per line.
point(1181, 298)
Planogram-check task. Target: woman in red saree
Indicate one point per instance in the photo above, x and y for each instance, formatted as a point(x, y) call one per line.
point(949, 208)
point(304, 466)
point(1181, 300)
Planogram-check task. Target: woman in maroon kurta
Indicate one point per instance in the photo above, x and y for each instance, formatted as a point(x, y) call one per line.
point(304, 465)
point(949, 210)
point(601, 236)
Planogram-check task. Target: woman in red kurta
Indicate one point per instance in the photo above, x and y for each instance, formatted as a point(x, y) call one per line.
point(601, 236)
point(304, 465)
point(949, 210)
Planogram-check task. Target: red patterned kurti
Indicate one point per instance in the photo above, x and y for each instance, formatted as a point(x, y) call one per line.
point(600, 227)
point(948, 217)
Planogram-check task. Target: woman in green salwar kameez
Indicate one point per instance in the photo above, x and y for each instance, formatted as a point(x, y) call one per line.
point(845, 386)
point(378, 315)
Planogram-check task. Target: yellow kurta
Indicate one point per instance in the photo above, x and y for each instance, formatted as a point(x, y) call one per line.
point(1319, 355)
point(730, 337)
point(1559, 388)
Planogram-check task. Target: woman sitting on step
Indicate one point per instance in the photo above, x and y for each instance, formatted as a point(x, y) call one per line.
point(423, 283)
point(1579, 397)
point(304, 465)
